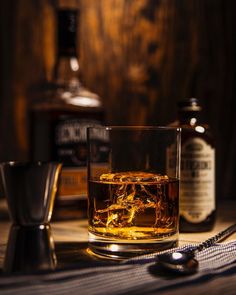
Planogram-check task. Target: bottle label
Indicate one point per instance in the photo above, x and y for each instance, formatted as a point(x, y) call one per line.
point(73, 182)
point(71, 141)
point(197, 185)
point(71, 149)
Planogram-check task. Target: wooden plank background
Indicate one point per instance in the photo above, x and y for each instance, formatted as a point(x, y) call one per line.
point(141, 56)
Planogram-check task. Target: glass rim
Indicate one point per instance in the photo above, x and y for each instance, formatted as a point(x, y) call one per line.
point(28, 163)
point(134, 127)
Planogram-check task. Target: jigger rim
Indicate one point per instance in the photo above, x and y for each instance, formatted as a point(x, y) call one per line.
point(29, 163)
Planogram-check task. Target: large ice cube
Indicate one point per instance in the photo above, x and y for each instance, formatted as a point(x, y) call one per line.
point(134, 176)
point(132, 195)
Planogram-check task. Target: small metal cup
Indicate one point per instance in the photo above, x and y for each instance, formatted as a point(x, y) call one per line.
point(30, 189)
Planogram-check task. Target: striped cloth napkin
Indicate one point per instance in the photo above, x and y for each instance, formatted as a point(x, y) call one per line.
point(216, 275)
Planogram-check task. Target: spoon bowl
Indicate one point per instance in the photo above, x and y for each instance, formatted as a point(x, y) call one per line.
point(184, 262)
point(180, 262)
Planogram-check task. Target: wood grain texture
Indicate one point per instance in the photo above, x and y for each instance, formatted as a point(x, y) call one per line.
point(141, 56)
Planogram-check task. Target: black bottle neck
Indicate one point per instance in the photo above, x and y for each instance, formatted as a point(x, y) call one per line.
point(67, 32)
point(66, 69)
point(189, 117)
point(189, 112)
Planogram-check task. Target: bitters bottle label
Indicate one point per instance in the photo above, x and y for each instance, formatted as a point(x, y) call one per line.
point(197, 185)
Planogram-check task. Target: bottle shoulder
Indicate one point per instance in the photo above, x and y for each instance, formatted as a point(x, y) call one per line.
point(196, 130)
point(54, 96)
point(197, 126)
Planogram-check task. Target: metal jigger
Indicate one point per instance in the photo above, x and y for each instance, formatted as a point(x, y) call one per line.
point(30, 189)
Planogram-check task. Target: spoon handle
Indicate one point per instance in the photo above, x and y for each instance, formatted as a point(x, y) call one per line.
point(218, 237)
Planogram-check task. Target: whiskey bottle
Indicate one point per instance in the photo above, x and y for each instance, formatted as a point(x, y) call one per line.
point(197, 182)
point(59, 118)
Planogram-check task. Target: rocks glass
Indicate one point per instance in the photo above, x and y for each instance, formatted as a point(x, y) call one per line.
point(133, 190)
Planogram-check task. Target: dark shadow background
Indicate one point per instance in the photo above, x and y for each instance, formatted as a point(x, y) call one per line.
point(140, 56)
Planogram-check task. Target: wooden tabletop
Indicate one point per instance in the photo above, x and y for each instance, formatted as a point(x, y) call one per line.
point(76, 231)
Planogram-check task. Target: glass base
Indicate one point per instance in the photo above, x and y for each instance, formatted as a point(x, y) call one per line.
point(124, 249)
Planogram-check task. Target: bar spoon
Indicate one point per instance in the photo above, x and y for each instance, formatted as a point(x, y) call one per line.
point(184, 262)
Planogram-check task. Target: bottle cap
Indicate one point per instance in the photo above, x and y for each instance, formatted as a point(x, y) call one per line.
point(189, 104)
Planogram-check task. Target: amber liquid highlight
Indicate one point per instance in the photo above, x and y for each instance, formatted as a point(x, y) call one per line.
point(133, 206)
